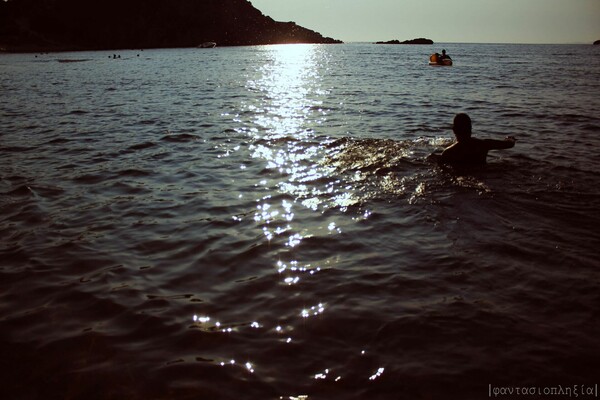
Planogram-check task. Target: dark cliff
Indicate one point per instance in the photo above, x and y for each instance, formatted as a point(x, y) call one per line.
point(38, 25)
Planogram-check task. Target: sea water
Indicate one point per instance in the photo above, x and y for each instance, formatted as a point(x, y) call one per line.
point(264, 223)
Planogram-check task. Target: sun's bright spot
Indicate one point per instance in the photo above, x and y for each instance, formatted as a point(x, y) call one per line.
point(286, 82)
point(293, 64)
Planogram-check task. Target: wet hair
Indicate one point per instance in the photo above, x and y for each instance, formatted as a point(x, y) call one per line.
point(462, 126)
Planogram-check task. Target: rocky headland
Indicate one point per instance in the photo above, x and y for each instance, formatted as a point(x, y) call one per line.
point(60, 25)
point(412, 41)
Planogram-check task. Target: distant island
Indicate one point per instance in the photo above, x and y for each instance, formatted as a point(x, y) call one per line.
point(413, 41)
point(61, 25)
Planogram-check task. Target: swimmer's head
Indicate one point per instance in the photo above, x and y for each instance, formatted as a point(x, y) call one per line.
point(462, 126)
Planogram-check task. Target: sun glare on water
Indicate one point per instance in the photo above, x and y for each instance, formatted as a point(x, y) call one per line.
point(289, 78)
point(288, 121)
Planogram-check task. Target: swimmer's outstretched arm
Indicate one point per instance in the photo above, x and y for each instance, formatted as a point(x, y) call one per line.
point(507, 143)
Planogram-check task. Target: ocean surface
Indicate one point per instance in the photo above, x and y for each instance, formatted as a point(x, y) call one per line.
point(264, 223)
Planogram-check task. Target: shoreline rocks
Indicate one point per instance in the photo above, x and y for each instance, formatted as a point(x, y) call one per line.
point(412, 41)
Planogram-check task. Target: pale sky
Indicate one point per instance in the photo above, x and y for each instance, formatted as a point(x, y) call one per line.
point(471, 21)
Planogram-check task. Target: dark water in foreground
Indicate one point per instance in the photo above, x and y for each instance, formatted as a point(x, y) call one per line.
point(262, 223)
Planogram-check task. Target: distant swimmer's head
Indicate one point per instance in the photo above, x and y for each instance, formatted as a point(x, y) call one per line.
point(462, 126)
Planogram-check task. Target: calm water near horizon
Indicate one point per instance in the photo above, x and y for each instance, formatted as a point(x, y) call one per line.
point(263, 223)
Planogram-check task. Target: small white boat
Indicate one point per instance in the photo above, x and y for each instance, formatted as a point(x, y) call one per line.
point(207, 45)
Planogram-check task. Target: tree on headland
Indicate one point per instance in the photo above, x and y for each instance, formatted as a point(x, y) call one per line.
point(114, 24)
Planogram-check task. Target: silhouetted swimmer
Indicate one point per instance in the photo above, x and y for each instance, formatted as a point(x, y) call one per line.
point(470, 150)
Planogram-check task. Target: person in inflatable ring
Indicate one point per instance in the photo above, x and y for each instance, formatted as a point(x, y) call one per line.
point(445, 56)
point(439, 58)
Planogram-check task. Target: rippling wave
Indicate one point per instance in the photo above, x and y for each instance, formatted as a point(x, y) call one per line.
point(265, 222)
